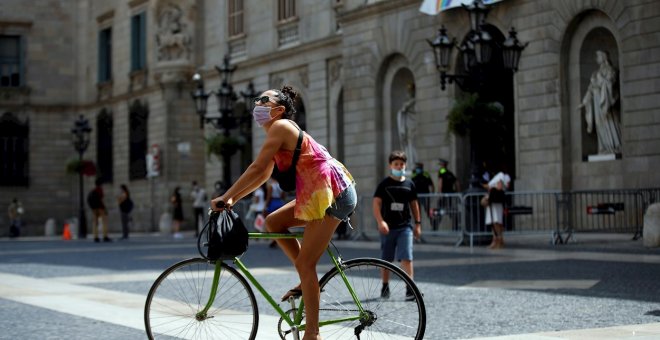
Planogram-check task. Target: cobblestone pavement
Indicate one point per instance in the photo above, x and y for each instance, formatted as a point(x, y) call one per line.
point(600, 286)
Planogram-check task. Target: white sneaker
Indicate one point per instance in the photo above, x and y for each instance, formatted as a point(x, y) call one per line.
point(178, 236)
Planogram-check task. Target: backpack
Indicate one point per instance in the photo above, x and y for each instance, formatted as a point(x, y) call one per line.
point(94, 199)
point(126, 206)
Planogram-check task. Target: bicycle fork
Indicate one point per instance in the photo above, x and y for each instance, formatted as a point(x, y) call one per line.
point(202, 315)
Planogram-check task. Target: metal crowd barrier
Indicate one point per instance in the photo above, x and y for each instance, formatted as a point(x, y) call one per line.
point(559, 214)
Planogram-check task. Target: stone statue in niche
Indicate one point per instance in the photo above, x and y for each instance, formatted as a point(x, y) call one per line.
point(172, 38)
point(601, 105)
point(407, 125)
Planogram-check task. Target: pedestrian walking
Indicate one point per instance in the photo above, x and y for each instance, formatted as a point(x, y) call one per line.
point(495, 208)
point(424, 186)
point(15, 212)
point(125, 208)
point(447, 184)
point(274, 200)
point(177, 213)
point(198, 195)
point(394, 203)
point(255, 215)
point(99, 211)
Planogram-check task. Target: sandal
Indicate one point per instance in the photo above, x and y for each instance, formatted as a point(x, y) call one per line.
point(293, 292)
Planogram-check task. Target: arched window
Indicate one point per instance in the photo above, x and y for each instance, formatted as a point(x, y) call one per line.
point(14, 151)
point(138, 122)
point(104, 146)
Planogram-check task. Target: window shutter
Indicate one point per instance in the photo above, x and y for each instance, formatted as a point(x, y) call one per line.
point(135, 42)
point(143, 40)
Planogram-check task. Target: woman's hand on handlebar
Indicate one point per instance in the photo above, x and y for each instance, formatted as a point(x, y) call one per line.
point(221, 203)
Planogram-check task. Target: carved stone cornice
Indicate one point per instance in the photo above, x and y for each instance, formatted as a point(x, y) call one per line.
point(136, 3)
point(105, 16)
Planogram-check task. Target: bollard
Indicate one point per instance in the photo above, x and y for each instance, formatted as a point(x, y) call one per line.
point(165, 225)
point(49, 227)
point(652, 226)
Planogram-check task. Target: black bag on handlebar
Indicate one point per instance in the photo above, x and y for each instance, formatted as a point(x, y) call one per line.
point(227, 236)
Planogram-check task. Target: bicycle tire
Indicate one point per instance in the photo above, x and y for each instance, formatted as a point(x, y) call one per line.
point(183, 289)
point(396, 317)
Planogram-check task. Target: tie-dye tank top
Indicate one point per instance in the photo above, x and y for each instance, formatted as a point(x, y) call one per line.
point(319, 178)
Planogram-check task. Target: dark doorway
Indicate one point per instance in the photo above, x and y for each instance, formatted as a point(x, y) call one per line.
point(494, 144)
point(104, 146)
point(14, 151)
point(138, 122)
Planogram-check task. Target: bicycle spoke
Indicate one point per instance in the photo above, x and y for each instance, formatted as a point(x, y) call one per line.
point(388, 317)
point(182, 292)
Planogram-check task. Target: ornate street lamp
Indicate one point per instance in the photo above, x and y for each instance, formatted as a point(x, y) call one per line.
point(476, 50)
point(225, 121)
point(80, 138)
point(511, 50)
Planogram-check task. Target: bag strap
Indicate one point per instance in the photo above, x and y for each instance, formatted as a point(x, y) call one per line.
point(296, 152)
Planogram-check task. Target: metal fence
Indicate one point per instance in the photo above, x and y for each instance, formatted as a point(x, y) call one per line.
point(557, 213)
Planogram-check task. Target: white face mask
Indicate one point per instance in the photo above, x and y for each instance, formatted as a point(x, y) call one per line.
point(261, 114)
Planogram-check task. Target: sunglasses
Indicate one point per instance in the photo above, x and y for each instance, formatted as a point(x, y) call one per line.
point(263, 99)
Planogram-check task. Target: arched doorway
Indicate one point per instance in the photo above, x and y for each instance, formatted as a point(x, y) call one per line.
point(14, 151)
point(491, 141)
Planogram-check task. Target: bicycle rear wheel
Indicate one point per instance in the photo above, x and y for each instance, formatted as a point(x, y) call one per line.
point(183, 290)
point(397, 313)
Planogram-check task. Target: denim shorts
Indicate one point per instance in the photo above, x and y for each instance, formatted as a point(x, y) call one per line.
point(344, 204)
point(398, 240)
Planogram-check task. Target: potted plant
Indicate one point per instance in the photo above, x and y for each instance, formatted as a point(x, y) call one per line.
point(472, 116)
point(220, 145)
point(75, 166)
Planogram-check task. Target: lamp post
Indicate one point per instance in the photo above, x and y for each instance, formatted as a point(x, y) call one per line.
point(226, 119)
point(80, 134)
point(476, 50)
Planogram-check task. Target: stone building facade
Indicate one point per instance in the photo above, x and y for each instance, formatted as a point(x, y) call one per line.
point(353, 63)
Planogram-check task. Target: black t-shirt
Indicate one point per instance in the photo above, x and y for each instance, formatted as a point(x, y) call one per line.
point(396, 197)
point(422, 182)
point(448, 181)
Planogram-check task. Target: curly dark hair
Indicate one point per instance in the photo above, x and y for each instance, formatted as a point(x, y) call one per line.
point(287, 97)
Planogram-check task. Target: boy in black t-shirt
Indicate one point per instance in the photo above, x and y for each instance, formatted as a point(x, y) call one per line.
point(394, 201)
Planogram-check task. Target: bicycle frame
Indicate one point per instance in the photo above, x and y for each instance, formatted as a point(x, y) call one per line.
point(294, 323)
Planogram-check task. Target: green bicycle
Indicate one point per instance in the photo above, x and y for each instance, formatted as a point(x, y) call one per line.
point(203, 299)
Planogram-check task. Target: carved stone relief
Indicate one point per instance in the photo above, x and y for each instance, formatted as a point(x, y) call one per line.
point(173, 36)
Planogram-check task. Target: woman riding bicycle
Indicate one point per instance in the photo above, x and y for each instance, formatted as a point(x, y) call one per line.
point(325, 194)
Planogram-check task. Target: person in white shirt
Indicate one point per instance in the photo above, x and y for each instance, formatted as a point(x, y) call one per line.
point(497, 186)
point(257, 207)
point(199, 198)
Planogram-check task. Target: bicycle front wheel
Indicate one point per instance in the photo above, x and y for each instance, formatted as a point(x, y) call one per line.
point(182, 291)
point(395, 312)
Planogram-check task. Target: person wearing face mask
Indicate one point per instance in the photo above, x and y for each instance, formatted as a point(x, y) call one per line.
point(424, 185)
point(325, 193)
point(394, 203)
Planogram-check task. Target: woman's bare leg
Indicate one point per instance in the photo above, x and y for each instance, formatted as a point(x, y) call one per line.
point(278, 221)
point(315, 240)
